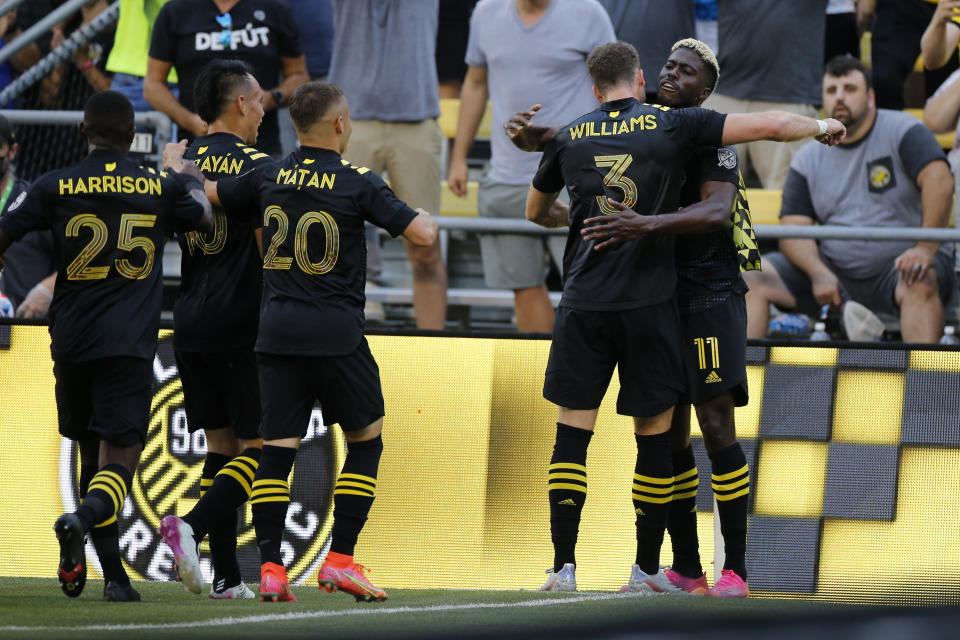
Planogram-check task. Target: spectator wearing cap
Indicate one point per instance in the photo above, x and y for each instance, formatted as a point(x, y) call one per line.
point(29, 270)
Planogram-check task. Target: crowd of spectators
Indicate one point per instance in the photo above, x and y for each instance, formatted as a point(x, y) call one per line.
point(396, 58)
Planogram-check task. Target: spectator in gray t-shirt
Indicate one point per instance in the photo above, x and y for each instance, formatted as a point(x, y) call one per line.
point(383, 59)
point(771, 53)
point(520, 53)
point(888, 172)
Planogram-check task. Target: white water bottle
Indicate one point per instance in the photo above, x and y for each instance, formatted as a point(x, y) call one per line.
point(949, 335)
point(819, 332)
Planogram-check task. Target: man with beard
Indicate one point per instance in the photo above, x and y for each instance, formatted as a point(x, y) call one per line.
point(888, 172)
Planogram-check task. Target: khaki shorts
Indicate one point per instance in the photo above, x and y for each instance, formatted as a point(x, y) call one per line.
point(771, 160)
point(512, 261)
point(407, 154)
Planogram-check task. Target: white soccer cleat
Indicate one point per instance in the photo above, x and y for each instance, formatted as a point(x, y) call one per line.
point(644, 584)
point(220, 591)
point(563, 580)
point(179, 537)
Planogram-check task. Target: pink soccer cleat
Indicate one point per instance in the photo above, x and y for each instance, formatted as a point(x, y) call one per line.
point(349, 579)
point(730, 585)
point(274, 586)
point(179, 537)
point(696, 586)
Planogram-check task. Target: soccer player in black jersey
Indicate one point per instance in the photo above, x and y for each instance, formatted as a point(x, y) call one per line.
point(111, 217)
point(617, 306)
point(215, 322)
point(310, 344)
point(717, 242)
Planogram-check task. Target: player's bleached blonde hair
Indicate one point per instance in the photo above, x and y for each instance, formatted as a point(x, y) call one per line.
point(706, 55)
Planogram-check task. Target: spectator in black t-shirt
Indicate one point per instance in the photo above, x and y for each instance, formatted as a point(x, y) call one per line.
point(190, 33)
point(453, 31)
point(29, 272)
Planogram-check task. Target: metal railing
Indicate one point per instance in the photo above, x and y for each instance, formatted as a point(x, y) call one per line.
point(913, 234)
point(76, 40)
point(9, 6)
point(159, 121)
point(52, 19)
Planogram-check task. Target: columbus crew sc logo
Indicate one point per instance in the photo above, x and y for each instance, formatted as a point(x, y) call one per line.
point(168, 481)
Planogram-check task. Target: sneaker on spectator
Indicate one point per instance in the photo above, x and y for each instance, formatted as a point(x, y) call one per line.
point(859, 323)
point(789, 325)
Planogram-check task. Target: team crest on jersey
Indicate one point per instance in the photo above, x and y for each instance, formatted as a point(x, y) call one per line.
point(19, 200)
point(880, 174)
point(726, 158)
point(168, 477)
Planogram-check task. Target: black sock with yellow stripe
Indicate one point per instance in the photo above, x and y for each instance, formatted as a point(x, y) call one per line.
point(652, 488)
point(105, 537)
point(269, 500)
point(567, 491)
point(682, 519)
point(216, 513)
point(731, 488)
point(230, 487)
point(105, 495)
point(354, 493)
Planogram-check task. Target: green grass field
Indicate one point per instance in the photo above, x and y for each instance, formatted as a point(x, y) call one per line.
point(35, 608)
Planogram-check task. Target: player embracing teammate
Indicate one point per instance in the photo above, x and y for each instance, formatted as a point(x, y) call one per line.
point(618, 306)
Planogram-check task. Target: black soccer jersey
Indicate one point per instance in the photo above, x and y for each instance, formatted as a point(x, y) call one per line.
point(634, 153)
point(707, 263)
point(313, 206)
point(219, 300)
point(110, 219)
point(191, 33)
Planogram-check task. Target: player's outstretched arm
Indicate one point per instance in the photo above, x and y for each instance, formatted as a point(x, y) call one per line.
point(422, 230)
point(712, 213)
point(781, 126)
point(525, 135)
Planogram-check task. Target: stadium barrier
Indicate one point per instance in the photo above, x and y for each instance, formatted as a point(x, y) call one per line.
point(147, 145)
point(854, 453)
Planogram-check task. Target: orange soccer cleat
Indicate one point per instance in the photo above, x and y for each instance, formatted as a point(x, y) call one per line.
point(341, 573)
point(273, 584)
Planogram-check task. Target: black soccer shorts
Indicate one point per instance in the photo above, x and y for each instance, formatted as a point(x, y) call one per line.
point(714, 351)
point(107, 397)
point(221, 389)
point(347, 387)
point(644, 343)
